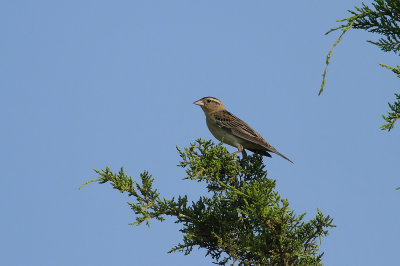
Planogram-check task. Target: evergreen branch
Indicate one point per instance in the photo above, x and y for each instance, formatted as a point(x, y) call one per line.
point(244, 219)
point(387, 45)
point(350, 21)
point(392, 116)
point(395, 70)
point(383, 19)
point(328, 57)
point(88, 182)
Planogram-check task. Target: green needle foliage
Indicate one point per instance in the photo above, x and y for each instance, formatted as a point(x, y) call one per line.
point(242, 218)
point(382, 18)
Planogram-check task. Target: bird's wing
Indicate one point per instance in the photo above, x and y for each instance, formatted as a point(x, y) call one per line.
point(240, 129)
point(225, 119)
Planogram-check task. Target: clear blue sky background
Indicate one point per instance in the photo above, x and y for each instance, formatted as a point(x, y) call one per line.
point(85, 84)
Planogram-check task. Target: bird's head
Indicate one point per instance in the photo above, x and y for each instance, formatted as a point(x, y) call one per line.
point(210, 105)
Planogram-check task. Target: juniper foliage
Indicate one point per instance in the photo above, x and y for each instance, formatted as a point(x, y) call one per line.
point(383, 18)
point(243, 219)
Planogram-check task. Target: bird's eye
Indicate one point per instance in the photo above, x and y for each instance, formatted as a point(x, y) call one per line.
point(208, 101)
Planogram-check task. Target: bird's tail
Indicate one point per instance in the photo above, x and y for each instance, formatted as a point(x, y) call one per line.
point(283, 156)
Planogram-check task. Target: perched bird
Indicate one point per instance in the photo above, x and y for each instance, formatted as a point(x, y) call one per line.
point(231, 130)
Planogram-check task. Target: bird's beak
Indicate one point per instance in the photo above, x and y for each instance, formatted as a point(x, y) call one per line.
point(199, 103)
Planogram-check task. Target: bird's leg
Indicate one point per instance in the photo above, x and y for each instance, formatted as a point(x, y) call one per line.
point(240, 149)
point(236, 152)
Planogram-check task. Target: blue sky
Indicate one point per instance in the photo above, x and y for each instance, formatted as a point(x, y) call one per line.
point(85, 84)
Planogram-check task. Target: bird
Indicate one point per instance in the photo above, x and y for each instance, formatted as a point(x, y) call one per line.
point(229, 129)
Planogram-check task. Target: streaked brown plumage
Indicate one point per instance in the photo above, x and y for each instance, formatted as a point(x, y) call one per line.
point(231, 130)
